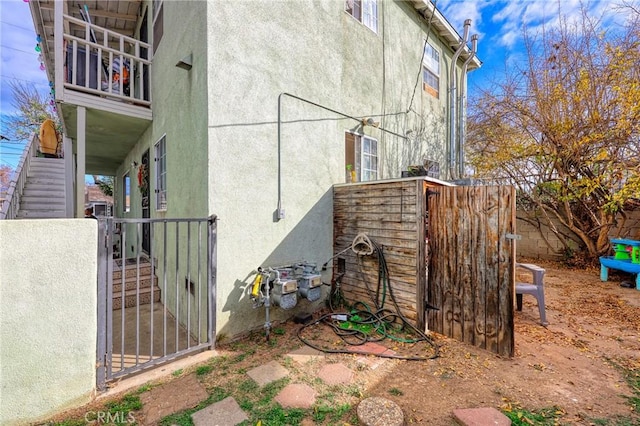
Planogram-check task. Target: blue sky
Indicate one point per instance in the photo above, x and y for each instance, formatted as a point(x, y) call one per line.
point(499, 24)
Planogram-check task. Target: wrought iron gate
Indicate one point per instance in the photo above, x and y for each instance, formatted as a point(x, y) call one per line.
point(152, 309)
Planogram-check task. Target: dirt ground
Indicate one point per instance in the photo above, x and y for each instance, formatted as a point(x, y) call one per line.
point(574, 366)
point(568, 365)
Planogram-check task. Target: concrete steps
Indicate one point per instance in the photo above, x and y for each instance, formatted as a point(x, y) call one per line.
point(44, 191)
point(140, 284)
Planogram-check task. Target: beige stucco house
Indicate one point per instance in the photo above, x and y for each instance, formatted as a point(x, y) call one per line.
point(250, 111)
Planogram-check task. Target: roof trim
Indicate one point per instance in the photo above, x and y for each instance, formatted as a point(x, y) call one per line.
point(444, 29)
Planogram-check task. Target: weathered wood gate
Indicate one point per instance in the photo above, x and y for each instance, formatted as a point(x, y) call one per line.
point(471, 271)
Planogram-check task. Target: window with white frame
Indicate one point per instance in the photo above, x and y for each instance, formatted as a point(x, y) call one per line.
point(431, 70)
point(161, 173)
point(361, 158)
point(365, 11)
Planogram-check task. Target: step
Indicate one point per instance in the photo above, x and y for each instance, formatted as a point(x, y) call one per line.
point(37, 192)
point(130, 298)
point(46, 175)
point(42, 206)
point(42, 168)
point(131, 270)
point(40, 214)
point(59, 182)
point(51, 161)
point(130, 284)
point(41, 199)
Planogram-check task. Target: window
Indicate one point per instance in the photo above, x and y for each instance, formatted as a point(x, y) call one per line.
point(431, 71)
point(158, 23)
point(361, 158)
point(365, 11)
point(161, 173)
point(126, 191)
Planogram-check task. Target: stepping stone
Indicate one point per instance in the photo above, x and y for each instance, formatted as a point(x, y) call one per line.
point(378, 411)
point(270, 372)
point(223, 413)
point(296, 396)
point(480, 417)
point(172, 397)
point(336, 374)
point(371, 348)
point(305, 354)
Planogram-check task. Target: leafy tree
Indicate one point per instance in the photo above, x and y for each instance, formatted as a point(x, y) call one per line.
point(32, 110)
point(105, 183)
point(565, 130)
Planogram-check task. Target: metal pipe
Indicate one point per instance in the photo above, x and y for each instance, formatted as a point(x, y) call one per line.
point(453, 98)
point(462, 110)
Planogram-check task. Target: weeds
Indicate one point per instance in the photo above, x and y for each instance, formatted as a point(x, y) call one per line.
point(545, 416)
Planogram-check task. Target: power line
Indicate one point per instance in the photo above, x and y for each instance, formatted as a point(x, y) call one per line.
point(22, 79)
point(19, 50)
point(18, 26)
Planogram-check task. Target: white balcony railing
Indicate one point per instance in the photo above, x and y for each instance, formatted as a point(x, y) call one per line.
point(106, 63)
point(11, 204)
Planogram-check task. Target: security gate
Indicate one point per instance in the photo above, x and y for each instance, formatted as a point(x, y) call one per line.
point(155, 303)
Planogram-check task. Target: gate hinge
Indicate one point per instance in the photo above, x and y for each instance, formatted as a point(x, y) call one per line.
point(513, 237)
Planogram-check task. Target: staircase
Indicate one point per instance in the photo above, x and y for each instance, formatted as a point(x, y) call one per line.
point(147, 282)
point(44, 193)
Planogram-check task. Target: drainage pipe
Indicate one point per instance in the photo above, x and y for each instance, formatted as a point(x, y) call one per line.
point(453, 99)
point(462, 109)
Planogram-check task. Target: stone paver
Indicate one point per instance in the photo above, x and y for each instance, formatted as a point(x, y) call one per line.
point(223, 413)
point(305, 354)
point(336, 374)
point(296, 396)
point(267, 373)
point(378, 411)
point(172, 397)
point(372, 362)
point(485, 416)
point(371, 348)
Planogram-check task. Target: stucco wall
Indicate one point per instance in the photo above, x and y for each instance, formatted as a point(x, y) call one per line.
point(47, 316)
point(314, 50)
point(533, 242)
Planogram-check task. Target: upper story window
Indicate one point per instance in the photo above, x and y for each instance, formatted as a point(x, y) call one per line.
point(158, 23)
point(161, 173)
point(361, 158)
point(365, 11)
point(431, 71)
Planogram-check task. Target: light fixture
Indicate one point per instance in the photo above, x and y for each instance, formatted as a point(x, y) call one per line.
point(186, 63)
point(370, 122)
point(134, 164)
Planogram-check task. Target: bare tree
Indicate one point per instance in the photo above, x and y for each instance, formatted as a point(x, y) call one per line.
point(32, 110)
point(565, 130)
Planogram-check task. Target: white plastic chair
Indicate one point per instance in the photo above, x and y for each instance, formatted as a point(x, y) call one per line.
point(536, 289)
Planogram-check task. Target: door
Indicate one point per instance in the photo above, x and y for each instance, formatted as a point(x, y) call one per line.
point(471, 268)
point(146, 212)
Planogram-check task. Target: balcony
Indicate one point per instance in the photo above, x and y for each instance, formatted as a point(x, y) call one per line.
point(99, 65)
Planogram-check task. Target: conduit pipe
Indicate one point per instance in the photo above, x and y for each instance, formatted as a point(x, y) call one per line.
point(453, 98)
point(462, 109)
point(279, 213)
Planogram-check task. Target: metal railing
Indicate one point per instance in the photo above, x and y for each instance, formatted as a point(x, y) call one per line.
point(154, 306)
point(11, 204)
point(105, 62)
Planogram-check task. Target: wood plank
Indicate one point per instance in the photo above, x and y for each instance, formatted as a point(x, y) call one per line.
point(470, 276)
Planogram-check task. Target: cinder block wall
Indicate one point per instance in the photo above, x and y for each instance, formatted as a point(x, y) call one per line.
point(533, 245)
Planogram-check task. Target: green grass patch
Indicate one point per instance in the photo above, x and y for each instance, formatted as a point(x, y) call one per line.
point(396, 392)
point(277, 415)
point(525, 417)
point(204, 369)
point(177, 372)
point(322, 412)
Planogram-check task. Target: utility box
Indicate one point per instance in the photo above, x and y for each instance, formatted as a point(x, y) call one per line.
point(393, 213)
point(448, 246)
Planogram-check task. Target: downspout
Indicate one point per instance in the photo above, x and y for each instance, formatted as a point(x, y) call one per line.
point(462, 111)
point(453, 99)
